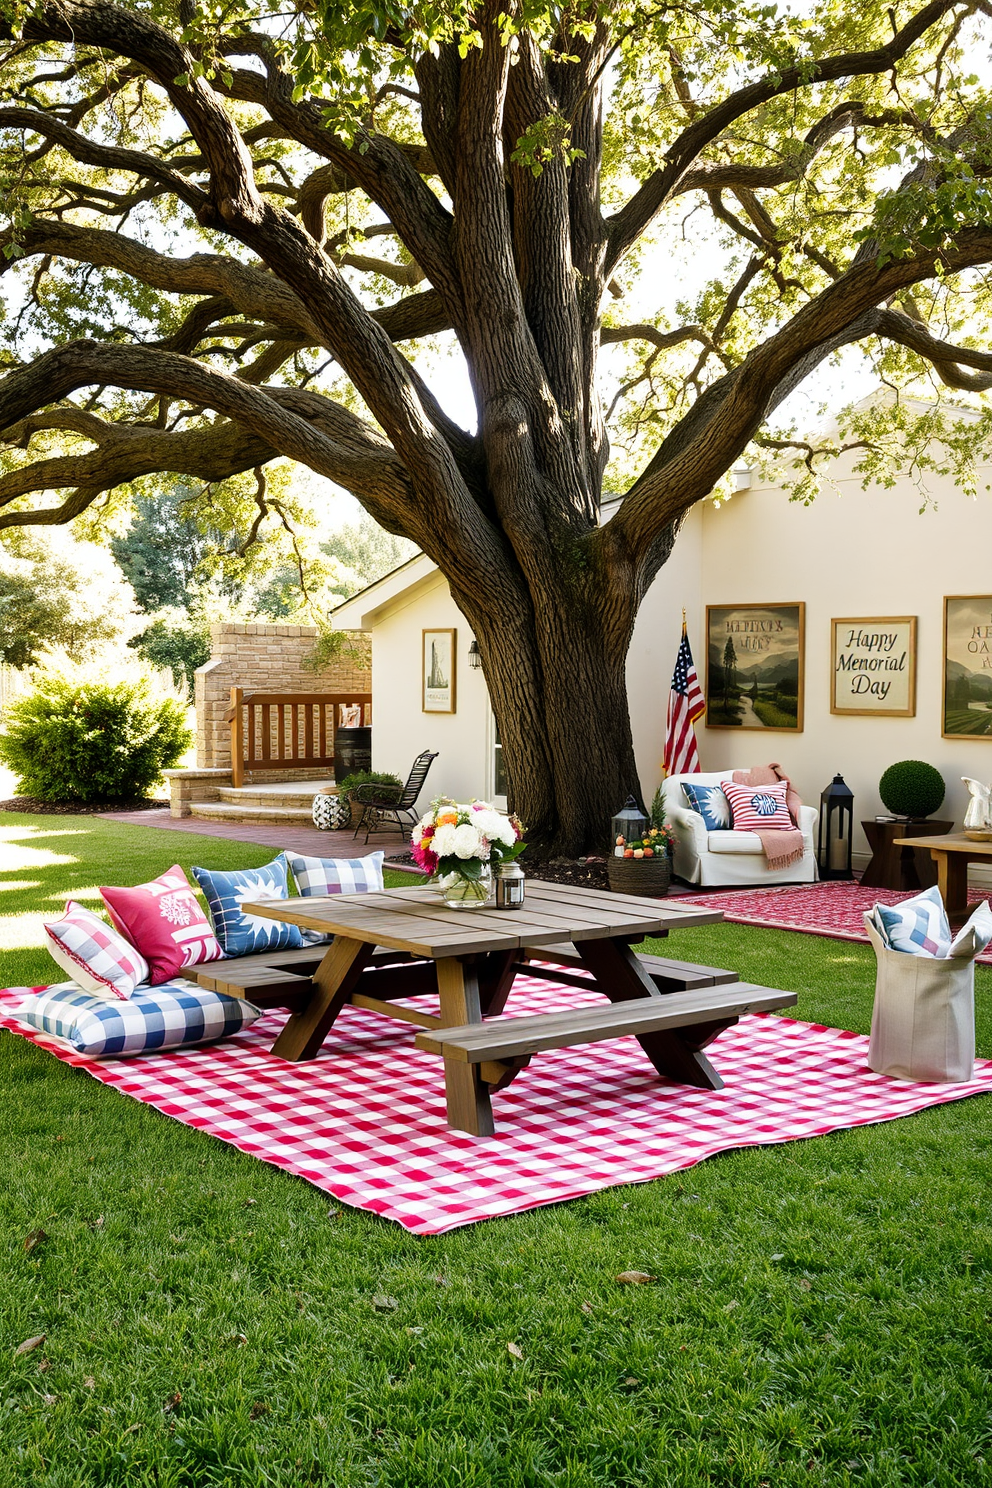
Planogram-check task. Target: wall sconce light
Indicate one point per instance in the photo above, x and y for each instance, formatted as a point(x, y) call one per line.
point(474, 656)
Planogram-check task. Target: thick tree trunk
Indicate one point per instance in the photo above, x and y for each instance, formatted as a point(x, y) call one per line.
point(558, 688)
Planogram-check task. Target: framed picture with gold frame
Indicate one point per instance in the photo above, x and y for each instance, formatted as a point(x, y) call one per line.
point(755, 666)
point(873, 666)
point(438, 671)
point(966, 705)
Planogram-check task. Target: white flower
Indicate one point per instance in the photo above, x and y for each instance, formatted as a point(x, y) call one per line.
point(443, 841)
point(466, 841)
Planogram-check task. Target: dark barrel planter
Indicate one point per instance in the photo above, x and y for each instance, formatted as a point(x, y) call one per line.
point(639, 875)
point(352, 751)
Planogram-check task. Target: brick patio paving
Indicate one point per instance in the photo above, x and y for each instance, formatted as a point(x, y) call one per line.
point(300, 839)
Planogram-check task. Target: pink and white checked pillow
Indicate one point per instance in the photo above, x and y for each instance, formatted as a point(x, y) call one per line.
point(165, 921)
point(759, 808)
point(94, 955)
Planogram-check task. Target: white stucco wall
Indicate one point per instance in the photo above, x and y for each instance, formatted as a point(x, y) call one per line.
point(400, 729)
point(853, 553)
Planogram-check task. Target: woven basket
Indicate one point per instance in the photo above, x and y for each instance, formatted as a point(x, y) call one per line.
point(640, 875)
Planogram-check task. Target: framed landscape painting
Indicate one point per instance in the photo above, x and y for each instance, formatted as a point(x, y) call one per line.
point(873, 666)
point(967, 706)
point(754, 666)
point(438, 657)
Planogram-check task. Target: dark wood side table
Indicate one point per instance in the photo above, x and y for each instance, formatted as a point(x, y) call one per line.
point(897, 866)
point(952, 855)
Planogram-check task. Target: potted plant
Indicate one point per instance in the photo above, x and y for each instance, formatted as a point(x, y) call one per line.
point(912, 789)
point(642, 865)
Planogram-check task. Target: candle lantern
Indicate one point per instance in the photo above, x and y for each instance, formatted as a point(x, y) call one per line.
point(630, 823)
point(836, 832)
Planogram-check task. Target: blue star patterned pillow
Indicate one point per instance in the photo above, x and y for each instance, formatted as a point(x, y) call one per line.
point(240, 933)
point(918, 926)
point(711, 803)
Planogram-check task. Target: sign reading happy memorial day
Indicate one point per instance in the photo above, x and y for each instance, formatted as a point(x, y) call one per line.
point(874, 666)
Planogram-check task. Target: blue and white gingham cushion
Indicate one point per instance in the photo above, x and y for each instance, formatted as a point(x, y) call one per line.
point(918, 926)
point(320, 876)
point(171, 1016)
point(94, 954)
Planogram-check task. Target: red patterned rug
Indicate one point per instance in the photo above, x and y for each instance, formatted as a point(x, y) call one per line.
point(365, 1121)
point(835, 910)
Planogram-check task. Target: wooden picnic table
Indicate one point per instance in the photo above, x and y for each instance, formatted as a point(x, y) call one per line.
point(400, 943)
point(952, 853)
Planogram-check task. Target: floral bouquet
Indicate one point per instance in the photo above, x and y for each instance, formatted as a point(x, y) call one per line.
point(656, 843)
point(460, 846)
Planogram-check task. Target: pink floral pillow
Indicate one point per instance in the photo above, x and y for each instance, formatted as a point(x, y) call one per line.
point(759, 808)
point(164, 920)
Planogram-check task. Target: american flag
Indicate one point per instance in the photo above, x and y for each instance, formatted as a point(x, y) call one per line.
point(685, 704)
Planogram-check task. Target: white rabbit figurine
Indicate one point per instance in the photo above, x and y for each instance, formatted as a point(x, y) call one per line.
point(979, 812)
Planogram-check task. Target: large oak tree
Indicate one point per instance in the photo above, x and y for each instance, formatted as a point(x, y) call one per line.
point(231, 228)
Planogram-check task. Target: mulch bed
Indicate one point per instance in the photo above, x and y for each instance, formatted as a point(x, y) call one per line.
point(77, 808)
point(579, 873)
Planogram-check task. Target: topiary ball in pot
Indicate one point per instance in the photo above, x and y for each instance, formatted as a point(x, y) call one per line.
point(912, 788)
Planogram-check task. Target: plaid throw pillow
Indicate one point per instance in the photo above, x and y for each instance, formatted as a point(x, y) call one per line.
point(918, 926)
point(172, 1016)
point(758, 808)
point(320, 876)
point(93, 954)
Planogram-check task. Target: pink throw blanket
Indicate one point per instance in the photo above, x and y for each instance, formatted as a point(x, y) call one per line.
point(781, 848)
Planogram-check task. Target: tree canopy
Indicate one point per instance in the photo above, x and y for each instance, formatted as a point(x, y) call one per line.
point(236, 231)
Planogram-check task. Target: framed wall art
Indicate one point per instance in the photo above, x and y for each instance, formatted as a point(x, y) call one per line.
point(967, 700)
point(754, 666)
point(873, 666)
point(438, 658)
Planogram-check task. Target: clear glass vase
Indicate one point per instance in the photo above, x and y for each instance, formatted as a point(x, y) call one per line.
point(468, 893)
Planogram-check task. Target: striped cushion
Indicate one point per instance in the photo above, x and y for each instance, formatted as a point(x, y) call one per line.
point(759, 808)
point(94, 954)
point(172, 1016)
point(321, 876)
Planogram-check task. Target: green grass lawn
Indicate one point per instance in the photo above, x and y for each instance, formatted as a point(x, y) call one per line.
point(822, 1312)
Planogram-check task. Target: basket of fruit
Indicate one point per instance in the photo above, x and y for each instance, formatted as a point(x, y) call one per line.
point(643, 866)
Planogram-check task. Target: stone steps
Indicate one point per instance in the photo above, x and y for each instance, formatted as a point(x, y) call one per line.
point(293, 795)
point(243, 812)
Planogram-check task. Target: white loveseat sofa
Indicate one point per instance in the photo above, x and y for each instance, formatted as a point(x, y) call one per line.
point(728, 857)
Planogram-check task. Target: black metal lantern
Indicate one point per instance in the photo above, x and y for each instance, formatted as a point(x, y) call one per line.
point(630, 823)
point(836, 834)
point(474, 656)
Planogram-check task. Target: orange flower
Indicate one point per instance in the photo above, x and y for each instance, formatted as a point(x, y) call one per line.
point(649, 852)
point(628, 852)
point(448, 819)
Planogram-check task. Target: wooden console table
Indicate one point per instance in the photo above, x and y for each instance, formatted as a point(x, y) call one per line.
point(951, 855)
point(898, 861)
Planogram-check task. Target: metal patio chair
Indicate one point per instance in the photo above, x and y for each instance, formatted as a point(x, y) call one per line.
point(381, 811)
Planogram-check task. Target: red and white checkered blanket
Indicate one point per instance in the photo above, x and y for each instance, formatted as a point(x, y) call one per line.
point(366, 1122)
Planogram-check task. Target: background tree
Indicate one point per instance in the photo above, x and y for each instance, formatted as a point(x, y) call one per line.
point(56, 593)
point(226, 222)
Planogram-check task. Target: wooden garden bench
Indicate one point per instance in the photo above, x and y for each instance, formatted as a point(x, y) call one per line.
point(672, 1030)
point(667, 975)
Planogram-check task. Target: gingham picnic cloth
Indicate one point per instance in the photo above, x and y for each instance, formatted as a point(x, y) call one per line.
point(365, 1121)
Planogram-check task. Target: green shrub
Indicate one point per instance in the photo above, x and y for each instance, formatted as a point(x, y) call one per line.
point(912, 788)
point(392, 784)
point(91, 741)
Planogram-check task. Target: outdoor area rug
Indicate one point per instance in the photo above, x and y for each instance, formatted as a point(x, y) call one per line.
point(835, 910)
point(365, 1120)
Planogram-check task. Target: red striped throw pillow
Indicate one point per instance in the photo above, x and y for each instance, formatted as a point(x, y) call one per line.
point(759, 808)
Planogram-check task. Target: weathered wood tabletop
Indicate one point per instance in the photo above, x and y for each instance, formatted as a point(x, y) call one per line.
point(476, 954)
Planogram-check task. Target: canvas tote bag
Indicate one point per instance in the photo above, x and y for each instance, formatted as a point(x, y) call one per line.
point(923, 1023)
